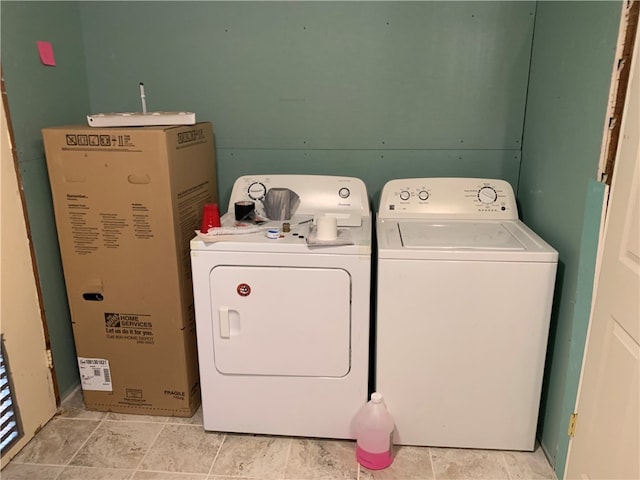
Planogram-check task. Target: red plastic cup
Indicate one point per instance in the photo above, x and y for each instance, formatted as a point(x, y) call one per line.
point(210, 217)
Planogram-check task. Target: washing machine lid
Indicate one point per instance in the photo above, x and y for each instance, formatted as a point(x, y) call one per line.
point(490, 240)
point(455, 235)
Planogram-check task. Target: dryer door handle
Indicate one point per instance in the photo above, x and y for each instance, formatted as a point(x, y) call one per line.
point(223, 314)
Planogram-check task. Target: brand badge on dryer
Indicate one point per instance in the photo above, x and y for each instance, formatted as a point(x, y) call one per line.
point(243, 289)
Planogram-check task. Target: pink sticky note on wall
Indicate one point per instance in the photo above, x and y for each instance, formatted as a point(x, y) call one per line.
point(46, 53)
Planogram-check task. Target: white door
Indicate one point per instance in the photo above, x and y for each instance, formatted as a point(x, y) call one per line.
point(21, 320)
point(606, 444)
point(290, 321)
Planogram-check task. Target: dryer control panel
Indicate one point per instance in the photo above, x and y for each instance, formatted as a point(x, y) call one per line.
point(448, 197)
point(345, 198)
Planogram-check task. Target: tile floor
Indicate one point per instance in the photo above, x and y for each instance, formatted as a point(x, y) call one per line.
point(83, 445)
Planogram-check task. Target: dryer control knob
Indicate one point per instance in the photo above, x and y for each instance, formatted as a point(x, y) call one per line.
point(257, 191)
point(404, 195)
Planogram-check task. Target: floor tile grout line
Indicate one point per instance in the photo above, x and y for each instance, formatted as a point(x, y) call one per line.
point(286, 460)
point(433, 468)
point(84, 443)
point(76, 419)
point(506, 465)
point(89, 467)
point(133, 474)
point(137, 419)
point(59, 473)
point(171, 473)
point(137, 468)
point(358, 466)
point(32, 464)
point(215, 458)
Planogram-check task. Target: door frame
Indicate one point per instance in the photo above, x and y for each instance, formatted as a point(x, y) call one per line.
point(31, 369)
point(598, 198)
point(591, 239)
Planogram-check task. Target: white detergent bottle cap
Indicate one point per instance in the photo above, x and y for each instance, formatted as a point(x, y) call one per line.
point(376, 397)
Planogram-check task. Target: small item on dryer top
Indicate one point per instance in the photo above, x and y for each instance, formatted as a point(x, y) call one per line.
point(280, 203)
point(326, 228)
point(245, 211)
point(273, 233)
point(374, 427)
point(286, 227)
point(210, 217)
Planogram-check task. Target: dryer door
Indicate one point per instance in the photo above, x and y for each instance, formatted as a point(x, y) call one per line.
point(288, 321)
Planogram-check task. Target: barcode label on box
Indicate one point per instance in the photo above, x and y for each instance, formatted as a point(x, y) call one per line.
point(95, 374)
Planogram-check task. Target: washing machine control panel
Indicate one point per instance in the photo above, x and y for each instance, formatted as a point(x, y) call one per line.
point(463, 198)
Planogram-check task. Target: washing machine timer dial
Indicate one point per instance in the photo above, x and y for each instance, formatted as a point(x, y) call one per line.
point(257, 191)
point(487, 195)
point(423, 195)
point(404, 195)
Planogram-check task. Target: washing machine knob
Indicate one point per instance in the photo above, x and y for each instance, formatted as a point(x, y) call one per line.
point(487, 195)
point(404, 195)
point(423, 195)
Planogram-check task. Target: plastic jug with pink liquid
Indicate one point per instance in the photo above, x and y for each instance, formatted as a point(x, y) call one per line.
point(374, 434)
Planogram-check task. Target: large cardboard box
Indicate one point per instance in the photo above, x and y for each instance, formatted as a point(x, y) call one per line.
point(127, 202)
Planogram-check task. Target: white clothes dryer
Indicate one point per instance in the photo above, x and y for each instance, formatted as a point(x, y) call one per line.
point(282, 326)
point(464, 297)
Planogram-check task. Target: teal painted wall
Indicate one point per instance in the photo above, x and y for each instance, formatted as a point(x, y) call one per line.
point(38, 97)
point(571, 66)
point(375, 89)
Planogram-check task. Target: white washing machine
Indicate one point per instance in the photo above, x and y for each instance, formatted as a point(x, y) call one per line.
point(464, 296)
point(282, 327)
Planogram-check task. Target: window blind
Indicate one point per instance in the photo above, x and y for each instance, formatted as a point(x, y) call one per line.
point(9, 425)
